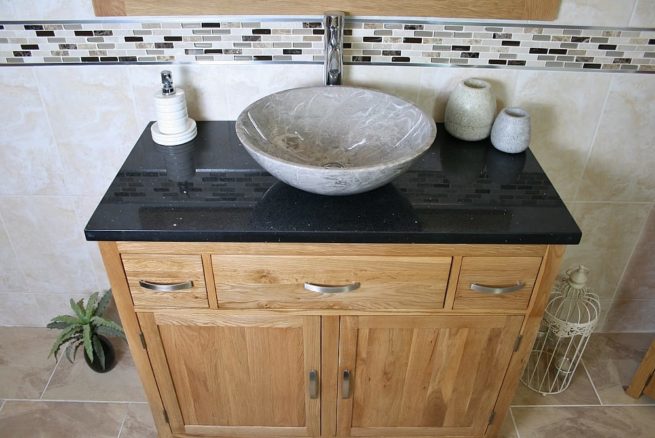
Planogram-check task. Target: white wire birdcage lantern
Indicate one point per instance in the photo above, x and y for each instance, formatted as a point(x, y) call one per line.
point(570, 317)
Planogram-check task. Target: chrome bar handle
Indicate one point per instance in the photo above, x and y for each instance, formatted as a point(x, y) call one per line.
point(331, 289)
point(166, 287)
point(334, 24)
point(345, 384)
point(497, 290)
point(313, 384)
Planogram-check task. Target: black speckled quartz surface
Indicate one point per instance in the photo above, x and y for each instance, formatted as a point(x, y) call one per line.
point(211, 190)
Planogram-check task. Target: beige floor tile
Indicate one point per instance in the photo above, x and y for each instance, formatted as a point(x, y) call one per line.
point(77, 381)
point(585, 422)
point(612, 359)
point(508, 430)
point(580, 392)
point(38, 419)
point(24, 364)
point(138, 423)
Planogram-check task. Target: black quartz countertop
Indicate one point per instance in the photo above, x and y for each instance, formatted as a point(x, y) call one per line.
point(457, 192)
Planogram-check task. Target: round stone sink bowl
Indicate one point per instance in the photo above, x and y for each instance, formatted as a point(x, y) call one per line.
point(335, 140)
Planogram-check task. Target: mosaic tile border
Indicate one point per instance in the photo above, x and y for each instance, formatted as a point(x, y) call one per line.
point(300, 40)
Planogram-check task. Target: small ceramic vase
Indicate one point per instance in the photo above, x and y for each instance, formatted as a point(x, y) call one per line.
point(470, 110)
point(511, 130)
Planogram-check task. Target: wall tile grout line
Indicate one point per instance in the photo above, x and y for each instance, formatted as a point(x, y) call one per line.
point(39, 400)
point(2, 405)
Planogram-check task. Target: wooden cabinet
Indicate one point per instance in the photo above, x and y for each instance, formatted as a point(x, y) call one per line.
point(413, 350)
point(237, 375)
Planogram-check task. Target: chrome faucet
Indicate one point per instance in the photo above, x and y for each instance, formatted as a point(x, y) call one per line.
point(334, 23)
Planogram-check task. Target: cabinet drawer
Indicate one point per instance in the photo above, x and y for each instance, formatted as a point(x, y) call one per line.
point(479, 276)
point(158, 281)
point(379, 282)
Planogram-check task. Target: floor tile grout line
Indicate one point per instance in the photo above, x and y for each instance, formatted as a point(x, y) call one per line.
point(613, 405)
point(593, 385)
point(120, 429)
point(516, 428)
point(52, 374)
point(45, 400)
point(2, 405)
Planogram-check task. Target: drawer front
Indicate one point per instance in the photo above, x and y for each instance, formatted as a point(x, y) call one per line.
point(480, 277)
point(159, 281)
point(254, 281)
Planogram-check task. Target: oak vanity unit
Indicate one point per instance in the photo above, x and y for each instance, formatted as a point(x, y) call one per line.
point(255, 309)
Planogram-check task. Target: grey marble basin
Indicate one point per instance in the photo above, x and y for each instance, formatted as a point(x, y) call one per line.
point(335, 140)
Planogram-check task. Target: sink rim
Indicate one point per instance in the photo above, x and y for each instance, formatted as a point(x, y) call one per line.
point(418, 152)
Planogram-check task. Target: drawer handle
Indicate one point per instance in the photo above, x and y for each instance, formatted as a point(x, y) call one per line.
point(313, 384)
point(497, 290)
point(345, 384)
point(331, 289)
point(166, 287)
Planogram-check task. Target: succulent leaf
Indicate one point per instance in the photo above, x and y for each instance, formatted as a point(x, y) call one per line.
point(116, 329)
point(99, 351)
point(103, 303)
point(63, 337)
point(91, 305)
point(86, 337)
point(77, 308)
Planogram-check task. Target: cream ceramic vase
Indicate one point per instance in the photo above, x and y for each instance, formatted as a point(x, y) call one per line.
point(511, 130)
point(470, 110)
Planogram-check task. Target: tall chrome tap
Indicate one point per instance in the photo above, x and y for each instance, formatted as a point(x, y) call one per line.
point(334, 24)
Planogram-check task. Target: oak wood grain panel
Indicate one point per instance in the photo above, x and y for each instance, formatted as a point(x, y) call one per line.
point(496, 271)
point(209, 281)
point(547, 274)
point(121, 294)
point(166, 268)
point(162, 373)
point(644, 372)
point(329, 374)
point(506, 9)
point(332, 249)
point(455, 269)
point(228, 378)
point(244, 431)
point(211, 318)
point(278, 281)
point(424, 375)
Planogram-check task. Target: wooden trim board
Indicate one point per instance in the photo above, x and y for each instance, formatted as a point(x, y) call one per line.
point(492, 9)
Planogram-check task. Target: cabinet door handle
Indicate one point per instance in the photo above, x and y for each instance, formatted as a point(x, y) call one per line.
point(331, 289)
point(166, 287)
point(497, 290)
point(345, 384)
point(313, 384)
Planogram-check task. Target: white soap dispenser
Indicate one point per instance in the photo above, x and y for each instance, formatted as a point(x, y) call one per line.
point(173, 126)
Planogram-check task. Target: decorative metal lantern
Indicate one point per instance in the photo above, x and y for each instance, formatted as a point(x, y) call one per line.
point(570, 318)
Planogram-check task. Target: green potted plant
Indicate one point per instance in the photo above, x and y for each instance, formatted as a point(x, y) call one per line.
point(87, 328)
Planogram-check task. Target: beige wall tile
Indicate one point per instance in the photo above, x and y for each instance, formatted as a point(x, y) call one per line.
point(92, 115)
point(61, 419)
point(644, 15)
point(49, 244)
point(24, 364)
point(139, 422)
point(609, 235)
point(29, 159)
point(46, 9)
point(11, 276)
point(638, 281)
point(244, 84)
point(404, 82)
point(631, 316)
point(622, 159)
point(437, 84)
point(84, 208)
point(585, 422)
point(564, 108)
point(595, 12)
point(612, 359)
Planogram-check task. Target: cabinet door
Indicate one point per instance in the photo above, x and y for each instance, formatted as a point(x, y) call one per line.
point(236, 375)
point(421, 376)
